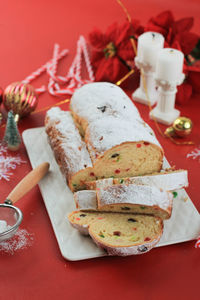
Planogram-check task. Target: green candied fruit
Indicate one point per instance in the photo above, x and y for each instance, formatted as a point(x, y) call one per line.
point(112, 176)
point(142, 207)
point(175, 194)
point(121, 181)
point(133, 238)
point(101, 235)
point(74, 184)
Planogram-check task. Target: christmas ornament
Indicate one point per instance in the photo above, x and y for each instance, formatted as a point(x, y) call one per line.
point(20, 98)
point(12, 137)
point(182, 126)
point(170, 132)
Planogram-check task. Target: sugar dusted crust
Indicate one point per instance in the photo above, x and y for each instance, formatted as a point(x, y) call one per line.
point(126, 199)
point(69, 149)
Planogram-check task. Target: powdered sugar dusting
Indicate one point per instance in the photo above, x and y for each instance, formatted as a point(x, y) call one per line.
point(8, 163)
point(94, 100)
point(21, 240)
point(134, 194)
point(3, 226)
point(114, 132)
point(86, 199)
point(69, 139)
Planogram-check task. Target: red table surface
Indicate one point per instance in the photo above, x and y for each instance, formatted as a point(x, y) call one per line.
point(28, 31)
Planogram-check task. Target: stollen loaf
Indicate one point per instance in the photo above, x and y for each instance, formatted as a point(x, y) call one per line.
point(115, 141)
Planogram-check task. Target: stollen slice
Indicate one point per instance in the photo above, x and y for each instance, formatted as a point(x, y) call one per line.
point(117, 233)
point(167, 180)
point(126, 199)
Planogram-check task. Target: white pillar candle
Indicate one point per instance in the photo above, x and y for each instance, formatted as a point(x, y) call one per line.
point(169, 65)
point(149, 44)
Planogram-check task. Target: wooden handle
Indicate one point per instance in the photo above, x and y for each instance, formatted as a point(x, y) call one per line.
point(28, 182)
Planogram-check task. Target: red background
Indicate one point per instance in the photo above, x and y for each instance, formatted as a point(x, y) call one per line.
point(28, 31)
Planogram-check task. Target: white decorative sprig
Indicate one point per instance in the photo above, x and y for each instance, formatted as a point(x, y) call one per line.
point(194, 154)
point(8, 163)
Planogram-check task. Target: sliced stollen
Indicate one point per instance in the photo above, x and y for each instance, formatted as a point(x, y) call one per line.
point(166, 180)
point(119, 234)
point(69, 150)
point(126, 199)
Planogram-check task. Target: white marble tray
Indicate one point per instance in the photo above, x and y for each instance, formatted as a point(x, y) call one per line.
point(184, 225)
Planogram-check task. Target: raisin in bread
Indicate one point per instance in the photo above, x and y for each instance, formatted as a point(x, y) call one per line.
point(126, 199)
point(119, 234)
point(117, 129)
point(166, 180)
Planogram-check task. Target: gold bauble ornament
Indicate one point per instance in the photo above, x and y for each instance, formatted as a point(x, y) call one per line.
point(169, 131)
point(182, 126)
point(20, 98)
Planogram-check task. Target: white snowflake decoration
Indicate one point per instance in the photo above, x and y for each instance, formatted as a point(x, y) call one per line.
point(8, 163)
point(194, 154)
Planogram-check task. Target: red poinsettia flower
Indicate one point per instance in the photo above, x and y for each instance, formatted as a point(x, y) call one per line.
point(112, 50)
point(177, 35)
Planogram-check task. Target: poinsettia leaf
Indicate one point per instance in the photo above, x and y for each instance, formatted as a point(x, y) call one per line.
point(119, 69)
point(156, 28)
point(124, 31)
point(125, 51)
point(194, 78)
point(97, 39)
point(184, 24)
point(188, 41)
point(96, 58)
point(164, 19)
point(184, 93)
point(112, 32)
point(136, 28)
point(102, 69)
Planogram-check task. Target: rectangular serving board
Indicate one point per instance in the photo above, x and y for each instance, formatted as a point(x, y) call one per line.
point(184, 224)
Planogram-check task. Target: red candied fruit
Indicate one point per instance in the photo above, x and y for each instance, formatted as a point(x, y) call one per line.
point(117, 171)
point(100, 218)
point(134, 228)
point(92, 174)
point(147, 239)
point(78, 219)
point(146, 143)
point(138, 145)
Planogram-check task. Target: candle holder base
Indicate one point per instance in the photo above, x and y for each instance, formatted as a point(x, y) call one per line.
point(164, 118)
point(140, 96)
